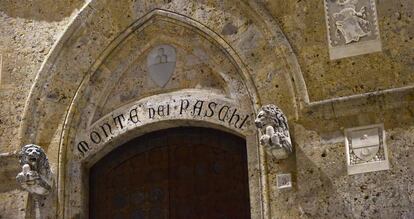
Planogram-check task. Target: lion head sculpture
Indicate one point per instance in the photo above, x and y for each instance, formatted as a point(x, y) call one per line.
point(36, 174)
point(34, 156)
point(274, 129)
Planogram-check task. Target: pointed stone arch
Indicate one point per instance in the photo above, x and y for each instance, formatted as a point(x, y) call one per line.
point(60, 86)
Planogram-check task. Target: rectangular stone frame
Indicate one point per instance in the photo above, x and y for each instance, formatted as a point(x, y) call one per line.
point(355, 10)
point(369, 166)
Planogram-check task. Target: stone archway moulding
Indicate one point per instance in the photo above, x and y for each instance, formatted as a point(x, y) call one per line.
point(189, 105)
point(31, 124)
point(275, 37)
point(183, 108)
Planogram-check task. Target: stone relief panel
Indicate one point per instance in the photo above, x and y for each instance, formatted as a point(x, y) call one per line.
point(366, 149)
point(274, 131)
point(161, 64)
point(36, 176)
point(352, 27)
point(284, 181)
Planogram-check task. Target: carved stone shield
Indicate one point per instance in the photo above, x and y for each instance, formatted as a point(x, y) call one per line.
point(365, 144)
point(366, 149)
point(161, 64)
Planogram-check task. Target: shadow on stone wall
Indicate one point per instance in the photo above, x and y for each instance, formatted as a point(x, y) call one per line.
point(319, 195)
point(9, 168)
point(41, 10)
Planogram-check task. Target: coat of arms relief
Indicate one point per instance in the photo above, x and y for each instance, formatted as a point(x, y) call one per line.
point(352, 27)
point(351, 22)
point(161, 63)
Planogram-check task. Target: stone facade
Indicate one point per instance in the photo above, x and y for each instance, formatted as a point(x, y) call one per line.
point(80, 78)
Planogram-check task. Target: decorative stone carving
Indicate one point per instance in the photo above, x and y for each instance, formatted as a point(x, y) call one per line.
point(366, 149)
point(352, 27)
point(36, 176)
point(161, 64)
point(180, 105)
point(349, 23)
point(284, 181)
point(274, 131)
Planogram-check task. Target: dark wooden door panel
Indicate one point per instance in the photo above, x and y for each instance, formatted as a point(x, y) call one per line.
point(176, 173)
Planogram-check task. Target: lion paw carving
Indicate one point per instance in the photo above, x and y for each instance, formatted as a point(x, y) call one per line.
point(35, 176)
point(274, 130)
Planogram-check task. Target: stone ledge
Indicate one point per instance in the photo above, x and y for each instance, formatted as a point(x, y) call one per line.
point(368, 102)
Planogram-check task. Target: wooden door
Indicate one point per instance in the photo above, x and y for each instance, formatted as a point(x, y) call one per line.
point(179, 173)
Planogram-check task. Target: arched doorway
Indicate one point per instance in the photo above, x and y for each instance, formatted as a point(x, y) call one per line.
point(174, 173)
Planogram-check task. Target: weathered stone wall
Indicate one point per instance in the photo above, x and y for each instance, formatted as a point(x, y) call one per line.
point(303, 22)
point(28, 32)
point(322, 187)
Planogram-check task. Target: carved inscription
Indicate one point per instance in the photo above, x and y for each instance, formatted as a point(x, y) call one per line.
point(180, 108)
point(352, 27)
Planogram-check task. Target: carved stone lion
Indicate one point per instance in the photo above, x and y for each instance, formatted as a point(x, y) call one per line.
point(274, 130)
point(36, 174)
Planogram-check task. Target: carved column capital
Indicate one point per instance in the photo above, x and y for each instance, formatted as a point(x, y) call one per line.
point(36, 176)
point(274, 131)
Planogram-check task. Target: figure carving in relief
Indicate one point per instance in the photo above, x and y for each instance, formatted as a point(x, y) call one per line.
point(274, 129)
point(350, 22)
point(36, 174)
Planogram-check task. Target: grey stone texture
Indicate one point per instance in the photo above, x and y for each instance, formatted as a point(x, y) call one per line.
point(71, 64)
